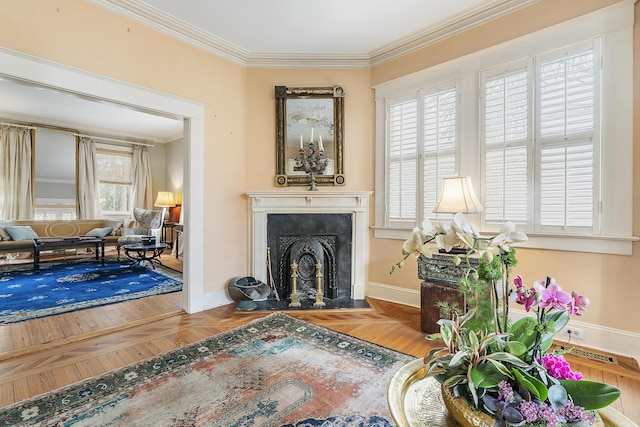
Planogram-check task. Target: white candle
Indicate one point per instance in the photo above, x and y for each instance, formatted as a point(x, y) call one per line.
point(320, 142)
point(301, 147)
point(311, 135)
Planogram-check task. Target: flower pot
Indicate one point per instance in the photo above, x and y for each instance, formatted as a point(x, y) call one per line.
point(416, 401)
point(464, 412)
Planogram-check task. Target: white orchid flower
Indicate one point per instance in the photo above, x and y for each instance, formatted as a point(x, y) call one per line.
point(466, 231)
point(446, 237)
point(419, 236)
point(508, 236)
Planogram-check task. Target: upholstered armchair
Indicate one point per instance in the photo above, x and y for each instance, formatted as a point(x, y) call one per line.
point(147, 223)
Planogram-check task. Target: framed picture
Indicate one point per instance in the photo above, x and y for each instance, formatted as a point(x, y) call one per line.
point(309, 136)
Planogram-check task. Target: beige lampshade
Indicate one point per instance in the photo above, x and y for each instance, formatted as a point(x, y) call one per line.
point(458, 196)
point(165, 200)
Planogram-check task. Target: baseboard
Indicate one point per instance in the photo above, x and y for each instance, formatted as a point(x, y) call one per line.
point(596, 337)
point(216, 299)
point(395, 294)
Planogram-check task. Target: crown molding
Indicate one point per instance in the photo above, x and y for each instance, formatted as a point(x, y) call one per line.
point(307, 60)
point(464, 21)
point(167, 24)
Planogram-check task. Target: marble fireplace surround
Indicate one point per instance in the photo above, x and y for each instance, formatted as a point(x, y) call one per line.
point(356, 203)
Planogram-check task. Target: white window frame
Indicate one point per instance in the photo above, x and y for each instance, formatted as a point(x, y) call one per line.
point(614, 25)
point(125, 152)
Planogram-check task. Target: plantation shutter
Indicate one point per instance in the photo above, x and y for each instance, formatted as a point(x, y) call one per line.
point(402, 176)
point(506, 137)
point(440, 141)
point(567, 108)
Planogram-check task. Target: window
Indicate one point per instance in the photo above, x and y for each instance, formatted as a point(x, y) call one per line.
point(557, 196)
point(114, 174)
point(54, 175)
point(542, 124)
point(423, 141)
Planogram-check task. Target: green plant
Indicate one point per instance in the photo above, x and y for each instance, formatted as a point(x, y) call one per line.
point(504, 368)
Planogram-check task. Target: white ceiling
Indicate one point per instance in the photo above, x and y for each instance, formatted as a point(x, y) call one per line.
point(356, 33)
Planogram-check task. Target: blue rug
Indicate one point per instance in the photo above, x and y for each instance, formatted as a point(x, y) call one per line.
point(61, 287)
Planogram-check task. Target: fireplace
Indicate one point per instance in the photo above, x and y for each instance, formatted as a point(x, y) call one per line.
point(317, 243)
point(329, 229)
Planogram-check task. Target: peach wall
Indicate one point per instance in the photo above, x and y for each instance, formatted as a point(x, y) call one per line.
point(85, 36)
point(611, 282)
point(261, 123)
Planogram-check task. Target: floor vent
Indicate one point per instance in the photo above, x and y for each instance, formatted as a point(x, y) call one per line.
point(591, 355)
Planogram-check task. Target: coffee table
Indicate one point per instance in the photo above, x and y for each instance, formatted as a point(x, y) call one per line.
point(139, 252)
point(47, 244)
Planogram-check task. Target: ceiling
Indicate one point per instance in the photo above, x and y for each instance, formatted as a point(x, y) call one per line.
point(278, 33)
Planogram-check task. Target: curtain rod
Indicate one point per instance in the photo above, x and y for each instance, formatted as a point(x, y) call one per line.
point(75, 133)
point(101, 138)
point(17, 125)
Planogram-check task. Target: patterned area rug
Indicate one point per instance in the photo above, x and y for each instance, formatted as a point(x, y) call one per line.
point(60, 287)
point(275, 371)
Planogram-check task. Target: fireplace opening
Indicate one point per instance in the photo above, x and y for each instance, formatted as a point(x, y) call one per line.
point(320, 246)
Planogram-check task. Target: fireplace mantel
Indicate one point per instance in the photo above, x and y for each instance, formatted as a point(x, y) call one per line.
point(263, 203)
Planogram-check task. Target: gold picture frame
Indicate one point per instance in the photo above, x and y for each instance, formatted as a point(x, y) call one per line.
point(304, 115)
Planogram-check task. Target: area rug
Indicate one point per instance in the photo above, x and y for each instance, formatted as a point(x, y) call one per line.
point(61, 287)
point(275, 371)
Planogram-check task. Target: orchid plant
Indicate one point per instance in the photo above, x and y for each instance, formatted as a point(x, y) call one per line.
point(508, 370)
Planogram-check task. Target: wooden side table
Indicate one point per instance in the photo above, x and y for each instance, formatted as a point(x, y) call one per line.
point(167, 226)
point(432, 292)
point(179, 230)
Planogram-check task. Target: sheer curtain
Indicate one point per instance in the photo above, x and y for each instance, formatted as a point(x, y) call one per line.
point(16, 197)
point(88, 188)
point(141, 178)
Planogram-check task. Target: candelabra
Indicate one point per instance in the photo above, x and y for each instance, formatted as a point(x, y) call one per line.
point(312, 162)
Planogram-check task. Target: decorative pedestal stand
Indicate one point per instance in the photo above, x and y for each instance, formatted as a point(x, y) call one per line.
point(295, 302)
point(319, 295)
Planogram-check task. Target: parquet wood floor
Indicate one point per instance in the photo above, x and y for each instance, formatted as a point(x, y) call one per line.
point(110, 342)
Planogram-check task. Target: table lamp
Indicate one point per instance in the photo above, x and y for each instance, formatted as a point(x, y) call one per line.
point(164, 201)
point(457, 196)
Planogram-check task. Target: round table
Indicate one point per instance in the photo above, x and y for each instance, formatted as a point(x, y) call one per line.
point(140, 252)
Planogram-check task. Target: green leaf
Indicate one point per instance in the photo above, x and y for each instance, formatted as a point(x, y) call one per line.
point(516, 348)
point(558, 396)
point(522, 331)
point(446, 333)
point(473, 338)
point(590, 394)
point(454, 380)
point(506, 357)
point(486, 375)
point(559, 320)
point(458, 358)
point(534, 385)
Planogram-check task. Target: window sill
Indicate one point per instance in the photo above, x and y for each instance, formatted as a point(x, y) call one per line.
point(613, 245)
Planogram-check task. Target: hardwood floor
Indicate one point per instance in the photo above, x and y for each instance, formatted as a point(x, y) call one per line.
point(117, 335)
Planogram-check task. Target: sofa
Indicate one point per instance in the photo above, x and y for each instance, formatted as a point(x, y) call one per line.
point(57, 228)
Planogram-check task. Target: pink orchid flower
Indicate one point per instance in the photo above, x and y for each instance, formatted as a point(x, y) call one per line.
point(578, 303)
point(554, 297)
point(524, 296)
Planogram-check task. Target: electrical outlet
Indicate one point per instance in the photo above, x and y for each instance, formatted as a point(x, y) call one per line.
point(572, 332)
